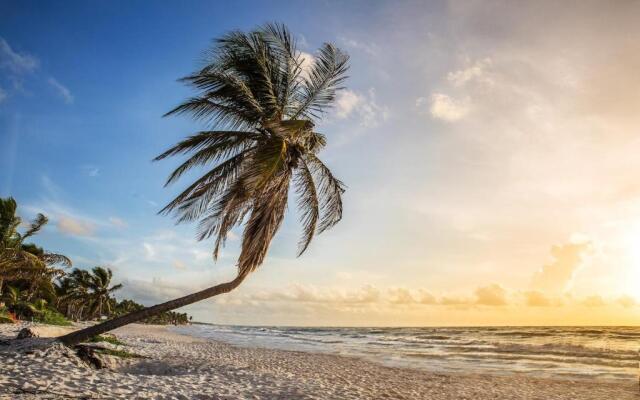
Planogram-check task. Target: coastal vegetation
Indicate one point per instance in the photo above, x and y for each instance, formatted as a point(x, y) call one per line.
point(37, 285)
point(260, 102)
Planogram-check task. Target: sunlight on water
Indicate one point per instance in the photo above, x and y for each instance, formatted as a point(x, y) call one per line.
point(572, 352)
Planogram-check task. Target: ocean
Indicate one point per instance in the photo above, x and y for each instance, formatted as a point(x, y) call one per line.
point(569, 352)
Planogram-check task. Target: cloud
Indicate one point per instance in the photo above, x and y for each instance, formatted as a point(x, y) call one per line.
point(492, 295)
point(3, 95)
point(16, 62)
point(537, 299)
point(367, 294)
point(74, 226)
point(153, 292)
point(593, 301)
point(306, 63)
point(401, 296)
point(454, 301)
point(118, 222)
point(557, 276)
point(369, 112)
point(62, 90)
point(149, 251)
point(179, 265)
point(446, 108)
point(427, 298)
point(475, 72)
point(346, 103)
point(369, 48)
point(627, 301)
point(91, 170)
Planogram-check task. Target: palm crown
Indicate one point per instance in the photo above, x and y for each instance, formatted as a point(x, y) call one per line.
point(261, 105)
point(21, 260)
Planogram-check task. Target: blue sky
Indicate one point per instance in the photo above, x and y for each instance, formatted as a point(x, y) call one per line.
point(457, 138)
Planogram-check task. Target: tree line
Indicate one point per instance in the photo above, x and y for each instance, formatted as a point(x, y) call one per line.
point(41, 286)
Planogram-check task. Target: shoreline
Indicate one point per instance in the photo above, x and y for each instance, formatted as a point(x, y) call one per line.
point(183, 366)
point(397, 349)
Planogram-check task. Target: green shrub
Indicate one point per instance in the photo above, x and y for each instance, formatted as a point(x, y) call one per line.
point(5, 318)
point(108, 339)
point(51, 317)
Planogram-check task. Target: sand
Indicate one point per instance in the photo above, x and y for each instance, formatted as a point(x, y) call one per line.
point(182, 367)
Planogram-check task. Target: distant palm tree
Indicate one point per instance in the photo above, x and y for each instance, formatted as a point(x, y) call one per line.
point(100, 291)
point(26, 262)
point(86, 294)
point(261, 105)
point(72, 292)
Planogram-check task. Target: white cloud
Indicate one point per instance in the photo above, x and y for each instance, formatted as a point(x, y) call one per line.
point(557, 276)
point(475, 72)
point(535, 298)
point(179, 265)
point(627, 301)
point(346, 102)
point(14, 61)
point(369, 48)
point(593, 301)
point(91, 170)
point(62, 90)
point(364, 106)
point(492, 295)
point(149, 251)
point(306, 62)
point(153, 292)
point(446, 108)
point(74, 226)
point(401, 296)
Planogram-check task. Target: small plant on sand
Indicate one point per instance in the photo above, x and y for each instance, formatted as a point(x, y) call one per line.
point(119, 353)
point(107, 339)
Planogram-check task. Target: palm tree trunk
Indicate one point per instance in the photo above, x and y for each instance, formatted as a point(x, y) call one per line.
point(84, 334)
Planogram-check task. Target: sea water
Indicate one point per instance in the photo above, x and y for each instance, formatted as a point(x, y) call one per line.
point(571, 352)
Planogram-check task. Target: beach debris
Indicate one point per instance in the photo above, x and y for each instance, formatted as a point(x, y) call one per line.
point(27, 333)
point(43, 331)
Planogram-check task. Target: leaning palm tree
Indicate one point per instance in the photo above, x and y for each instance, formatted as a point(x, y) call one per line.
point(261, 107)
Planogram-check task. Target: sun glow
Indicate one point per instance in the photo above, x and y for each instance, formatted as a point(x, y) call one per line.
point(632, 245)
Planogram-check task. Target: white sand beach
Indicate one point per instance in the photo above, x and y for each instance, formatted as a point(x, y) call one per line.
point(183, 367)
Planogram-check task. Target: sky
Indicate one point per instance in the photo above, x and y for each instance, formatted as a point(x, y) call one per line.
point(490, 150)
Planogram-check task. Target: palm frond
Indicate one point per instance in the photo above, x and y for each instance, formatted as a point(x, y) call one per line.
point(226, 88)
point(265, 220)
point(290, 63)
point(325, 78)
point(35, 226)
point(330, 191)
point(57, 259)
point(308, 205)
point(250, 57)
point(191, 202)
point(204, 139)
point(115, 287)
point(211, 146)
point(216, 114)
